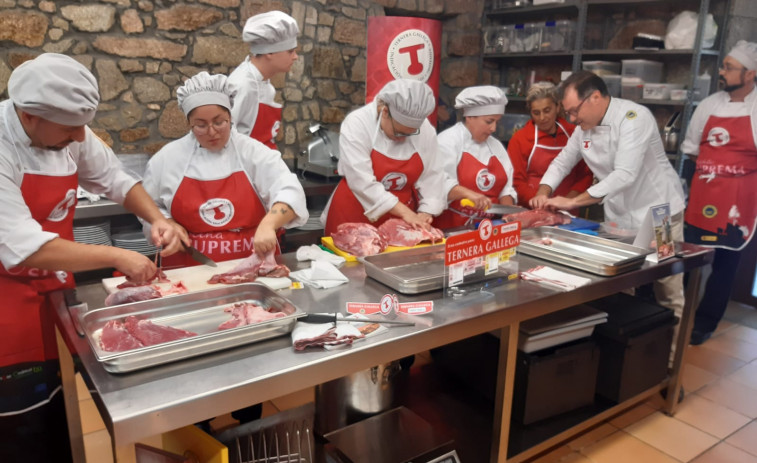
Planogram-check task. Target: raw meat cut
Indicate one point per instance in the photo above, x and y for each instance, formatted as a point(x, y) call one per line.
point(144, 293)
point(536, 218)
point(251, 268)
point(149, 334)
point(133, 294)
point(323, 334)
point(245, 313)
point(397, 232)
point(115, 338)
point(358, 239)
point(159, 275)
point(135, 333)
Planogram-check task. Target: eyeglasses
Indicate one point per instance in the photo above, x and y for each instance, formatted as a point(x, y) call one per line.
point(728, 68)
point(574, 112)
point(202, 129)
point(401, 134)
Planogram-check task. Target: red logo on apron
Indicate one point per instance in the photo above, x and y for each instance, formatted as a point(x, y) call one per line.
point(718, 136)
point(587, 143)
point(485, 180)
point(60, 211)
point(217, 212)
point(394, 181)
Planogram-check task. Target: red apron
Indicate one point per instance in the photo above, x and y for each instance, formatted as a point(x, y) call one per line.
point(221, 217)
point(722, 210)
point(31, 410)
point(267, 125)
point(488, 179)
point(398, 177)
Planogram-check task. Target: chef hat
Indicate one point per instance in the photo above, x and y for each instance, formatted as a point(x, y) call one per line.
point(270, 32)
point(204, 89)
point(483, 100)
point(56, 88)
point(410, 101)
point(745, 53)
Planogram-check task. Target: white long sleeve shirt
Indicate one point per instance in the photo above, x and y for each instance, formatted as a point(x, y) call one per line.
point(626, 155)
point(359, 135)
point(457, 140)
point(718, 104)
point(268, 173)
point(251, 90)
point(99, 172)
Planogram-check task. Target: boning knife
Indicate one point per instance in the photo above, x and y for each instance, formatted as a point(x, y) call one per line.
point(495, 208)
point(200, 257)
point(333, 318)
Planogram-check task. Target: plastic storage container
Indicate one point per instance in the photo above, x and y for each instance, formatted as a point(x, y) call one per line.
point(634, 344)
point(702, 87)
point(613, 82)
point(570, 369)
point(601, 68)
point(644, 69)
point(631, 88)
point(659, 91)
point(500, 39)
point(527, 37)
point(558, 35)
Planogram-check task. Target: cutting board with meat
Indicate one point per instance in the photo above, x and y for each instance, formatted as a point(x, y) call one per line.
point(352, 240)
point(196, 278)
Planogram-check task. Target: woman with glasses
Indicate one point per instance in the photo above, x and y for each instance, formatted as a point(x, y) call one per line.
point(533, 147)
point(230, 192)
point(388, 158)
point(476, 164)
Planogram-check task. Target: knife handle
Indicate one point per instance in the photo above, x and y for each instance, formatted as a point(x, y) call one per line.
point(467, 202)
point(318, 318)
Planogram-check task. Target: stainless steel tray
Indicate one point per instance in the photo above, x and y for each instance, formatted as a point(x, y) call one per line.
point(201, 312)
point(584, 252)
point(416, 270)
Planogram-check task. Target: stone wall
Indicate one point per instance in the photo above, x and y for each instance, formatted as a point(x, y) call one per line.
point(142, 50)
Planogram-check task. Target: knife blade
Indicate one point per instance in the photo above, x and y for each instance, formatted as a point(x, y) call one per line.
point(495, 208)
point(333, 318)
point(200, 257)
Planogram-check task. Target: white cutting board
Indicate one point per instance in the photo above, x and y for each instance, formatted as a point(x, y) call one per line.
point(196, 278)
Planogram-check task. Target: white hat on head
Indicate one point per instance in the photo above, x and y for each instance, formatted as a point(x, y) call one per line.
point(484, 100)
point(410, 101)
point(270, 32)
point(745, 53)
point(55, 87)
point(205, 89)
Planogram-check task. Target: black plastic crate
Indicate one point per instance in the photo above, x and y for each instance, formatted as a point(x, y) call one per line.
point(634, 344)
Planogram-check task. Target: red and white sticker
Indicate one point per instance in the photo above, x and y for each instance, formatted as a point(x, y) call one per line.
point(390, 304)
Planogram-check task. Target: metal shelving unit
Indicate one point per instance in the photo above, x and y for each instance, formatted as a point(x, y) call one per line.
point(580, 10)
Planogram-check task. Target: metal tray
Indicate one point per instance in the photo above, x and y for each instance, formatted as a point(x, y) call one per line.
point(200, 312)
point(416, 270)
point(584, 252)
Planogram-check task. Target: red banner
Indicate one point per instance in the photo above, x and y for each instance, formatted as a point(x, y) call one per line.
point(403, 48)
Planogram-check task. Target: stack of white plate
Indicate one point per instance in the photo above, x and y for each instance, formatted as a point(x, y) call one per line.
point(133, 241)
point(93, 232)
point(313, 223)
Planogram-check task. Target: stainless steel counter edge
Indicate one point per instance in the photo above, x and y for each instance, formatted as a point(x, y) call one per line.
point(145, 403)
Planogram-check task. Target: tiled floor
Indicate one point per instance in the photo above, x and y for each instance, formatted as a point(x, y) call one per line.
point(716, 423)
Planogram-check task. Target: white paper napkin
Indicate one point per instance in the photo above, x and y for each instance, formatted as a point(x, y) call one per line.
point(321, 274)
point(313, 252)
point(554, 278)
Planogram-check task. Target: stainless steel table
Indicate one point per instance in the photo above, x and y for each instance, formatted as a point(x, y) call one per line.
point(149, 402)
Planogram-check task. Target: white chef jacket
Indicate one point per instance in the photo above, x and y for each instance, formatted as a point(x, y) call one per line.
point(626, 155)
point(268, 173)
point(99, 172)
point(251, 90)
point(718, 104)
point(456, 140)
point(359, 135)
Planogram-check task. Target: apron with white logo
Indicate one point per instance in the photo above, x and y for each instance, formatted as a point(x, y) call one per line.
point(722, 209)
point(267, 125)
point(31, 410)
point(221, 216)
point(488, 179)
point(398, 178)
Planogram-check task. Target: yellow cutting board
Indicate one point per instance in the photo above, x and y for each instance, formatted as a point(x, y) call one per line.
point(329, 243)
point(196, 278)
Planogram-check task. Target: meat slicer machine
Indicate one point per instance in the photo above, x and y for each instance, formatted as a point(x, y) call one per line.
point(322, 153)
